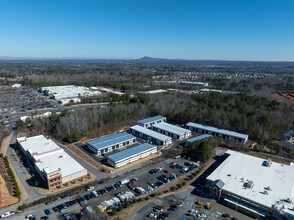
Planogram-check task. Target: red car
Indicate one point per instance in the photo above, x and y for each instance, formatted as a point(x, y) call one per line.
point(166, 171)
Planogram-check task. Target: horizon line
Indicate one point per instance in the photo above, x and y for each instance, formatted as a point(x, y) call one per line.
point(10, 58)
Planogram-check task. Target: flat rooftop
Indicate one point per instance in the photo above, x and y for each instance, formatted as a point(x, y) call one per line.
point(201, 137)
point(148, 120)
point(38, 144)
point(240, 168)
point(59, 160)
point(130, 152)
point(218, 130)
point(171, 128)
point(151, 133)
point(110, 140)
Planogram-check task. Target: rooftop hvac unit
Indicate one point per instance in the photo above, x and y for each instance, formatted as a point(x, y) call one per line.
point(268, 162)
point(249, 185)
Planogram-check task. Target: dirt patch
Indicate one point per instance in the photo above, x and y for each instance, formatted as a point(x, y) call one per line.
point(5, 144)
point(5, 197)
point(283, 96)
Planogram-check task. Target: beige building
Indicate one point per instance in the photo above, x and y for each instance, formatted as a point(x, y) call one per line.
point(52, 163)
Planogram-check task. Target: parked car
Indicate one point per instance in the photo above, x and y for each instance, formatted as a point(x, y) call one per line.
point(90, 188)
point(166, 171)
point(6, 214)
point(152, 215)
point(48, 202)
point(157, 209)
point(63, 210)
point(64, 196)
point(47, 212)
point(150, 183)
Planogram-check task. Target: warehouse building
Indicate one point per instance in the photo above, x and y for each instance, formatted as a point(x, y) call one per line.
point(148, 122)
point(110, 143)
point(257, 187)
point(52, 163)
point(150, 136)
point(172, 131)
point(201, 137)
point(68, 92)
point(204, 129)
point(130, 155)
point(36, 145)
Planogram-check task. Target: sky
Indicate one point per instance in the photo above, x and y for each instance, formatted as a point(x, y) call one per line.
point(257, 30)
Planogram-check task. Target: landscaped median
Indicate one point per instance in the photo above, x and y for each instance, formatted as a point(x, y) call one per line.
point(176, 186)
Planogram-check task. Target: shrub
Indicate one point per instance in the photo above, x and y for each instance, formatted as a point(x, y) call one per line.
point(126, 203)
point(147, 197)
point(153, 195)
point(172, 188)
point(120, 207)
point(113, 212)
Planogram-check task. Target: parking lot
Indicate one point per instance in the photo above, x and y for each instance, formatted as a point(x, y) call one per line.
point(182, 205)
point(18, 101)
point(142, 175)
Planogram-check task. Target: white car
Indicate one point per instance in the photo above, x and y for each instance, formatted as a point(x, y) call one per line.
point(152, 215)
point(90, 188)
point(95, 193)
point(5, 215)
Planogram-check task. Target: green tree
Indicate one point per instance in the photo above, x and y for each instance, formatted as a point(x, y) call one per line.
point(200, 150)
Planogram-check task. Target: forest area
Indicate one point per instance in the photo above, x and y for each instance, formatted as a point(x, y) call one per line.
point(261, 118)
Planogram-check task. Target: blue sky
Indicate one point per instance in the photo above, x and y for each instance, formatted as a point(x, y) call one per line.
point(196, 29)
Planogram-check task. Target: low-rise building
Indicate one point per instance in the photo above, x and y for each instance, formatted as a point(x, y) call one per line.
point(69, 92)
point(150, 136)
point(172, 131)
point(111, 143)
point(204, 129)
point(257, 187)
point(53, 164)
point(148, 122)
point(130, 155)
point(198, 138)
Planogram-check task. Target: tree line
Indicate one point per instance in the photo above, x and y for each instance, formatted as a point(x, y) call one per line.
point(259, 117)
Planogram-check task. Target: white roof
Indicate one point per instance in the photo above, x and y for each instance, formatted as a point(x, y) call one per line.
point(218, 130)
point(58, 160)
point(240, 168)
point(151, 133)
point(38, 144)
point(171, 128)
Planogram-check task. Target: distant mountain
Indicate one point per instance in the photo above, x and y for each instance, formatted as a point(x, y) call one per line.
point(146, 58)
